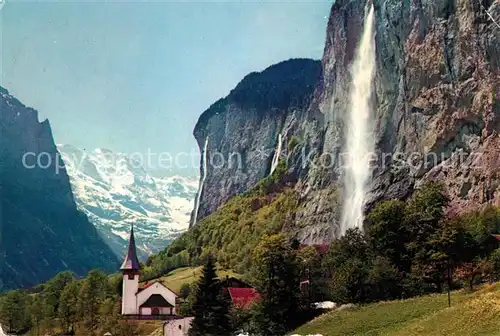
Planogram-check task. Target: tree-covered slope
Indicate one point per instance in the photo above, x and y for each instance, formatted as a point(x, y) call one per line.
point(232, 232)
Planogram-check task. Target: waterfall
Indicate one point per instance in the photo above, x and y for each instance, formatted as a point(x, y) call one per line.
point(276, 157)
point(202, 182)
point(360, 140)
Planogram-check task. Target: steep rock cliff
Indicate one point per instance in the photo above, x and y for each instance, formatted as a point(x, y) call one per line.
point(436, 103)
point(243, 129)
point(436, 112)
point(41, 231)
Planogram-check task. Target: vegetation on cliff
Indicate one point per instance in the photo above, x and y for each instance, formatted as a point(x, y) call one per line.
point(234, 230)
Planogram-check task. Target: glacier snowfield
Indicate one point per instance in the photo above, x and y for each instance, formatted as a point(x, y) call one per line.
point(115, 192)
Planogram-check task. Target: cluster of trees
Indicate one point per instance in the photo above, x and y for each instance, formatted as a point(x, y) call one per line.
point(66, 306)
point(412, 248)
point(279, 265)
point(232, 232)
point(408, 248)
point(165, 261)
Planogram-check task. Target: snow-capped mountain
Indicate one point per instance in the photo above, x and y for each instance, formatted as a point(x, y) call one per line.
point(115, 192)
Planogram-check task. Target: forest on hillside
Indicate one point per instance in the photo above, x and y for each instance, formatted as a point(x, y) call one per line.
point(409, 249)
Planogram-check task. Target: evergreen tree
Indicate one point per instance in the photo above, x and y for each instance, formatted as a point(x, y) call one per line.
point(423, 216)
point(14, 312)
point(211, 306)
point(68, 307)
point(310, 270)
point(52, 292)
point(110, 320)
point(276, 272)
point(388, 235)
point(92, 292)
point(37, 312)
point(495, 264)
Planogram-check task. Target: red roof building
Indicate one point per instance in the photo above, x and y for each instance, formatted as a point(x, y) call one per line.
point(146, 285)
point(243, 297)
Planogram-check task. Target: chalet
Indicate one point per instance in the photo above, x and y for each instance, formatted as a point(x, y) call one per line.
point(243, 297)
point(151, 301)
point(242, 294)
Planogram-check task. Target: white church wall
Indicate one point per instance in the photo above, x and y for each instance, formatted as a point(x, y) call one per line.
point(149, 311)
point(129, 299)
point(146, 311)
point(166, 311)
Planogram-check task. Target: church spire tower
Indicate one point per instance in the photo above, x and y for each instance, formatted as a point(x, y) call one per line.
point(130, 269)
point(131, 262)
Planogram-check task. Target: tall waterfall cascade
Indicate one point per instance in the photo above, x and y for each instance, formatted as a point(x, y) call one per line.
point(202, 181)
point(359, 134)
point(276, 157)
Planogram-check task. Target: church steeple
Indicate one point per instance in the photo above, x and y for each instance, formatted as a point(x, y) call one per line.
point(131, 262)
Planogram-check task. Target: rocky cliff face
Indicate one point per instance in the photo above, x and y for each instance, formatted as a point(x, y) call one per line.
point(243, 129)
point(41, 231)
point(436, 105)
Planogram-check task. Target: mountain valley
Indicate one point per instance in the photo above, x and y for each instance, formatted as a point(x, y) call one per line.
point(116, 192)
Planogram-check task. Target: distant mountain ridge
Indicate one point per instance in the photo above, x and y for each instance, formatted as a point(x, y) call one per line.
point(41, 230)
point(115, 192)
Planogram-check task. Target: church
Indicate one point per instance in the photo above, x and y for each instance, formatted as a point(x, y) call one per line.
point(150, 301)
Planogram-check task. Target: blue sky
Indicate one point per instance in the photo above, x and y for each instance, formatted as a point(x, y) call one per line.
point(129, 76)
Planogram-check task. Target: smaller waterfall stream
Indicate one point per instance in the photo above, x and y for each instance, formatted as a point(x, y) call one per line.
point(202, 182)
point(277, 154)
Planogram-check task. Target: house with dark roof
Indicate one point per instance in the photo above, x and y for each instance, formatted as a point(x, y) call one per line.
point(150, 301)
point(234, 282)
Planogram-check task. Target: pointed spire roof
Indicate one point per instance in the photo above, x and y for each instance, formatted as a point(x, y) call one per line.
point(131, 263)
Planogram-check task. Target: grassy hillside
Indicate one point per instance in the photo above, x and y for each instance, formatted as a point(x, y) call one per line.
point(175, 279)
point(232, 232)
point(476, 313)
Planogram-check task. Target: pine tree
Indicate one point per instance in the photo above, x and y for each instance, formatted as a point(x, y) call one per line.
point(92, 293)
point(14, 312)
point(52, 292)
point(37, 313)
point(68, 306)
point(276, 272)
point(211, 306)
